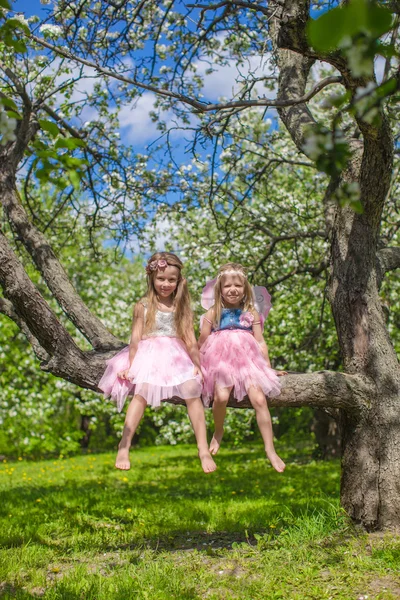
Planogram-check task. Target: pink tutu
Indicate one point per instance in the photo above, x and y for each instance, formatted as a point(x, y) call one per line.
point(161, 369)
point(232, 357)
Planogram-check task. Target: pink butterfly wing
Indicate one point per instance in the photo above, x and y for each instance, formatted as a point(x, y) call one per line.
point(262, 302)
point(207, 295)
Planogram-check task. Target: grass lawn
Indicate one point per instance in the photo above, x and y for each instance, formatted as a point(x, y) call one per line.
point(78, 529)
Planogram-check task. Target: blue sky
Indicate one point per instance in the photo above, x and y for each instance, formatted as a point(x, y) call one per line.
point(137, 128)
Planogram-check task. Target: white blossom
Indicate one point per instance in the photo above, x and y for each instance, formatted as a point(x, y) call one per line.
point(53, 31)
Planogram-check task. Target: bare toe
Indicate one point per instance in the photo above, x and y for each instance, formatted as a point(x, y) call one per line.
point(122, 461)
point(277, 463)
point(207, 463)
point(215, 444)
point(122, 465)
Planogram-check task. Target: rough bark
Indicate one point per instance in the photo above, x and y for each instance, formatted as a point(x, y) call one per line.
point(65, 358)
point(49, 266)
point(370, 489)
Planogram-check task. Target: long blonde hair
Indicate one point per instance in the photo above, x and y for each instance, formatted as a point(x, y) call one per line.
point(246, 304)
point(183, 316)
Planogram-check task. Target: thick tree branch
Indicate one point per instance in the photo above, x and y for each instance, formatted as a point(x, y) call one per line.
point(6, 308)
point(29, 305)
point(388, 259)
point(51, 269)
point(13, 152)
point(324, 389)
point(66, 359)
point(294, 69)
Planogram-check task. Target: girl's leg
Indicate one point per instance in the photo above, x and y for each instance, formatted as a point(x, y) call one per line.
point(221, 397)
point(133, 417)
point(196, 415)
point(259, 403)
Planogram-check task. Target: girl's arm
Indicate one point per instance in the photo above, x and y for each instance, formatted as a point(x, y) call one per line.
point(206, 327)
point(193, 351)
point(258, 335)
point(136, 335)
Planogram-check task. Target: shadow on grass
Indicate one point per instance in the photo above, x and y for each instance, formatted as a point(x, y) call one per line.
point(167, 503)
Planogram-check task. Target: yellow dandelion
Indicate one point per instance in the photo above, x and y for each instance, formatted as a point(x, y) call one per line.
point(233, 492)
point(38, 499)
point(124, 479)
point(128, 510)
point(20, 458)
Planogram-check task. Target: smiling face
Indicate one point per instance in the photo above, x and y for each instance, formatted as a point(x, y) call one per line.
point(232, 289)
point(165, 281)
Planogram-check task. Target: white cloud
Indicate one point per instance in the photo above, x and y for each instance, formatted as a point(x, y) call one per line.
point(227, 80)
point(136, 122)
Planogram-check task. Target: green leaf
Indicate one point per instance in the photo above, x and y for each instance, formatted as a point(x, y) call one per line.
point(13, 115)
point(42, 174)
point(9, 103)
point(49, 126)
point(387, 88)
point(386, 50)
point(70, 143)
point(46, 154)
point(4, 4)
point(358, 17)
point(18, 45)
point(75, 179)
point(17, 24)
point(326, 32)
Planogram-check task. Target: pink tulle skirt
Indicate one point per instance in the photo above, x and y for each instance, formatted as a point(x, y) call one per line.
point(233, 358)
point(161, 369)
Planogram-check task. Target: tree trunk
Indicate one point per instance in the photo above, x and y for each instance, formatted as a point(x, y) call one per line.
point(87, 432)
point(370, 490)
point(327, 434)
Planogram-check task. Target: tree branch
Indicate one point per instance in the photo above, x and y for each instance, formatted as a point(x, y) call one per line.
point(51, 269)
point(7, 309)
point(201, 107)
point(294, 69)
point(66, 359)
point(388, 259)
point(324, 389)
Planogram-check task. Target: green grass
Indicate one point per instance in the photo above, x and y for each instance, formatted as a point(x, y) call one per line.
point(78, 529)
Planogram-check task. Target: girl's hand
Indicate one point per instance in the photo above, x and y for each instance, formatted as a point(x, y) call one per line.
point(197, 372)
point(123, 374)
point(281, 373)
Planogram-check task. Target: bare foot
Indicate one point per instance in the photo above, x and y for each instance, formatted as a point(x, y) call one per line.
point(216, 443)
point(207, 463)
point(122, 461)
point(276, 462)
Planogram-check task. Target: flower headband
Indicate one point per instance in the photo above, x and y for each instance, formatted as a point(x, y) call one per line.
point(161, 263)
point(232, 272)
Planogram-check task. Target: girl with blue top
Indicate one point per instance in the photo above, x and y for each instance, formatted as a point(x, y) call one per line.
point(234, 355)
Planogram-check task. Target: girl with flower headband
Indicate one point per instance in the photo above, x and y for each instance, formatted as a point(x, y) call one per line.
point(162, 359)
point(234, 355)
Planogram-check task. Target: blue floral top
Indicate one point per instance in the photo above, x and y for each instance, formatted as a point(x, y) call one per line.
point(235, 318)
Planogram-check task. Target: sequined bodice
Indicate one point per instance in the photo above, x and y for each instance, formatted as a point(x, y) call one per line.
point(231, 319)
point(164, 325)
